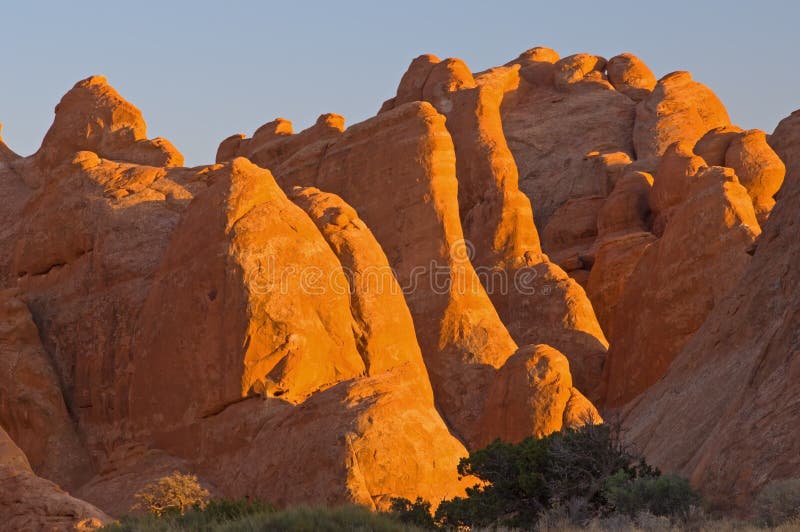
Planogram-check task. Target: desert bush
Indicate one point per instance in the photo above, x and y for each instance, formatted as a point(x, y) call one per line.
point(664, 496)
point(175, 493)
point(554, 519)
point(514, 490)
point(417, 513)
point(567, 469)
point(778, 502)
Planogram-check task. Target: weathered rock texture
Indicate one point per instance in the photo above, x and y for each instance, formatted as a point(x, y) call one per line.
point(337, 315)
point(726, 412)
point(201, 315)
point(678, 280)
point(409, 150)
point(29, 502)
point(678, 109)
point(536, 301)
point(541, 121)
point(32, 407)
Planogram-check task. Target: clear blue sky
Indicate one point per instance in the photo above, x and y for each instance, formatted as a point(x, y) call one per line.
point(201, 70)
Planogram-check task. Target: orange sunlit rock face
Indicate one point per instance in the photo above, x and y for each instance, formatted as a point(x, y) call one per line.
point(340, 314)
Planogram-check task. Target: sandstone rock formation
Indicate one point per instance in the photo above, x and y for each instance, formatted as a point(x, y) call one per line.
point(29, 502)
point(630, 76)
point(540, 120)
point(672, 182)
point(383, 327)
point(32, 408)
point(759, 168)
point(623, 233)
point(337, 315)
point(536, 301)
point(678, 280)
point(153, 290)
point(94, 117)
point(408, 149)
point(730, 396)
point(678, 109)
point(535, 385)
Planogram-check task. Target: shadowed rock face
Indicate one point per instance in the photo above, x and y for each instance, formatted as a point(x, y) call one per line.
point(678, 280)
point(29, 502)
point(730, 396)
point(337, 315)
point(32, 407)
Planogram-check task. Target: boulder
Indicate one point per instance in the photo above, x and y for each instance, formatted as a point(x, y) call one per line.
point(537, 65)
point(672, 181)
point(92, 116)
point(713, 145)
point(630, 76)
point(758, 168)
point(534, 385)
point(576, 68)
point(678, 109)
point(413, 81)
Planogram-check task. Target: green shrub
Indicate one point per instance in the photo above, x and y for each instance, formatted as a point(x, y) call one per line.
point(667, 496)
point(417, 513)
point(568, 470)
point(778, 502)
point(228, 510)
point(514, 489)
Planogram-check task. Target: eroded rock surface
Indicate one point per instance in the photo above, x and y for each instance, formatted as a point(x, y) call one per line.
point(29, 502)
point(730, 396)
point(679, 280)
point(536, 301)
point(316, 318)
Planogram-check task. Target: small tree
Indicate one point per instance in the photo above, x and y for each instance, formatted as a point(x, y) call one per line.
point(417, 513)
point(177, 492)
point(568, 470)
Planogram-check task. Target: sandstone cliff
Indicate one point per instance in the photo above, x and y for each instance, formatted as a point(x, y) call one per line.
point(726, 412)
point(339, 314)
